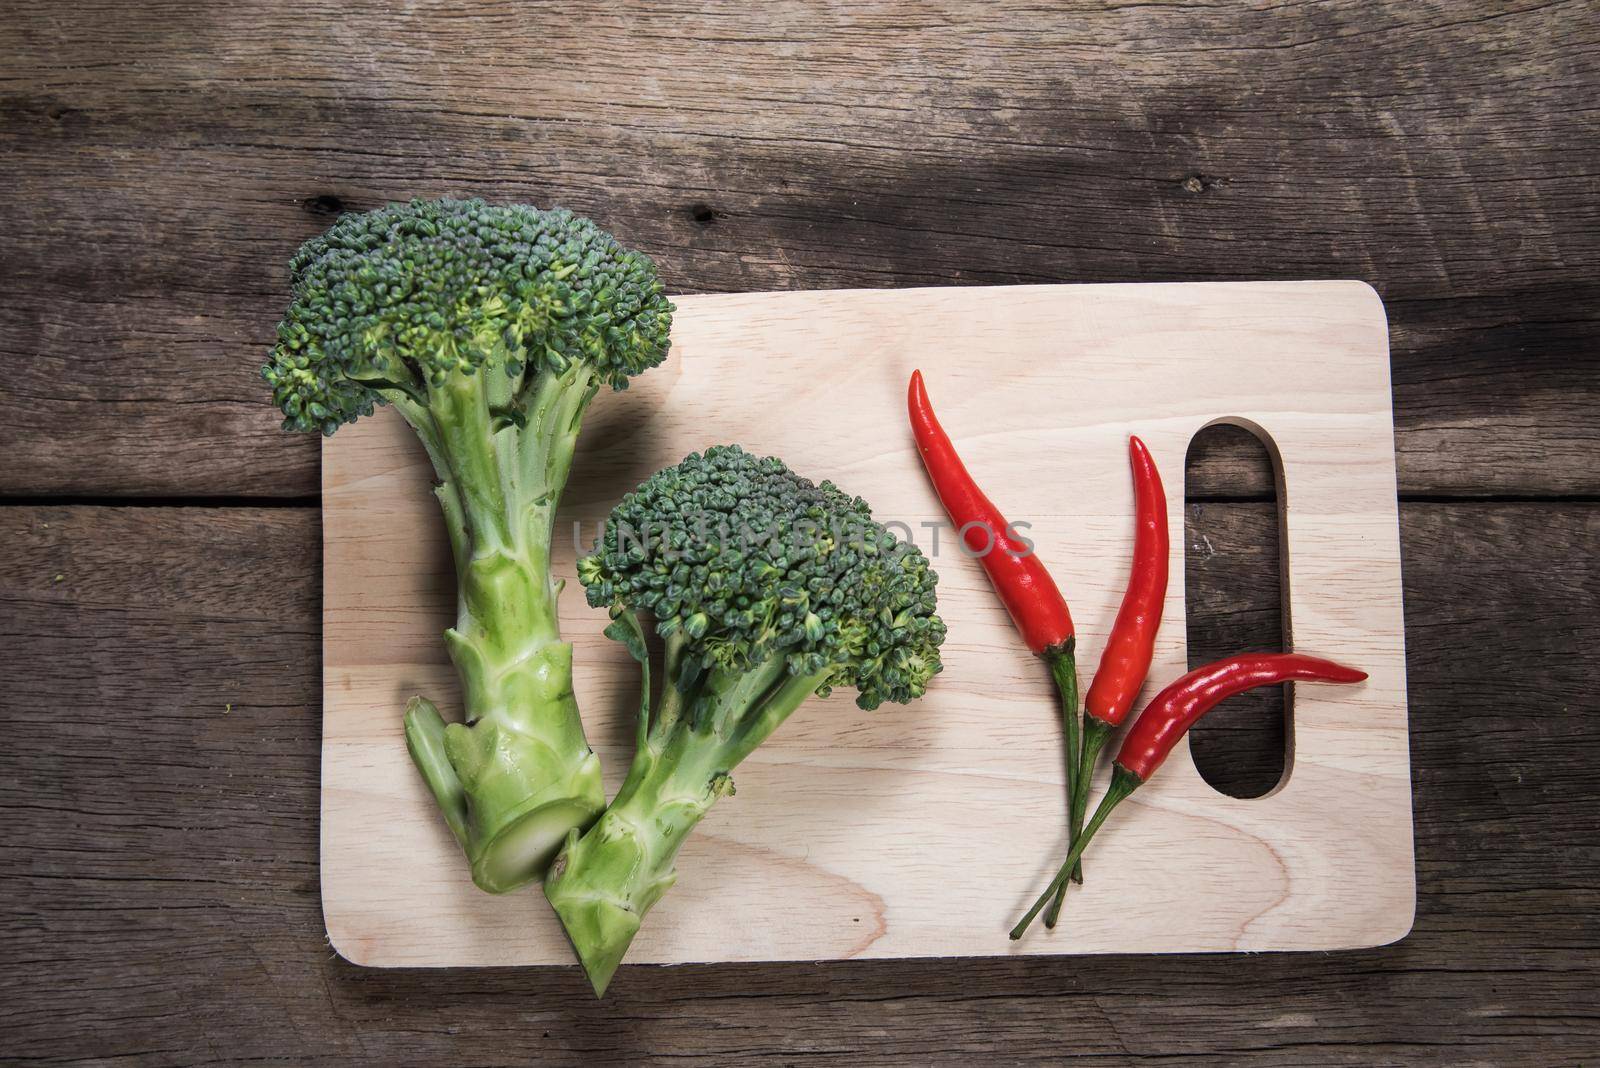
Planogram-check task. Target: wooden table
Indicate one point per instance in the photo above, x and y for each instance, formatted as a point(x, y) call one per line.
point(159, 581)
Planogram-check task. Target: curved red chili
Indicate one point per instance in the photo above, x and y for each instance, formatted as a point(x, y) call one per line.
point(1174, 710)
point(1126, 659)
point(1168, 717)
point(1024, 585)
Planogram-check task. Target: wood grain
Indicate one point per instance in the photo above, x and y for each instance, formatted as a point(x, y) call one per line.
point(863, 822)
point(158, 874)
point(162, 161)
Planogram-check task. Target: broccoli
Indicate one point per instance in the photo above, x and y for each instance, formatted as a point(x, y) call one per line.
point(489, 329)
point(767, 589)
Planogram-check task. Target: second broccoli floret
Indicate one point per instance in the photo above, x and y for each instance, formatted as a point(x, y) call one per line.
point(767, 589)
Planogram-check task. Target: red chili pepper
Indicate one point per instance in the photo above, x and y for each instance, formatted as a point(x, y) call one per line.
point(1175, 709)
point(1025, 587)
point(1169, 716)
point(1126, 659)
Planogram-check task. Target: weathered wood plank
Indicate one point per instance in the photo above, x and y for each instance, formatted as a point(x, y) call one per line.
point(158, 875)
point(163, 161)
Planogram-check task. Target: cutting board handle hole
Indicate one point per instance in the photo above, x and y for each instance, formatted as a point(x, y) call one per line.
point(1234, 600)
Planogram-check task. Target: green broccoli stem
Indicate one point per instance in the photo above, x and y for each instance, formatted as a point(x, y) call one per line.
point(518, 774)
point(605, 881)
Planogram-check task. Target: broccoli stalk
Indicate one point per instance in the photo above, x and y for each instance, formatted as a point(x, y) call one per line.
point(767, 589)
point(489, 329)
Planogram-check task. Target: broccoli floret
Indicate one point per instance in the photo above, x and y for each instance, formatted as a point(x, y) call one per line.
point(767, 589)
point(489, 329)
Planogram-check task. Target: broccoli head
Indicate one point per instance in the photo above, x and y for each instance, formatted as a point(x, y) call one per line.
point(767, 589)
point(489, 329)
point(391, 302)
point(749, 561)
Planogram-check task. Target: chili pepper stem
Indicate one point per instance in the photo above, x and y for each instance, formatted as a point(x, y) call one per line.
point(1123, 783)
point(1064, 669)
point(1096, 733)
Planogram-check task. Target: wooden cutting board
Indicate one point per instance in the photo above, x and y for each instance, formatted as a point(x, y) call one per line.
point(925, 830)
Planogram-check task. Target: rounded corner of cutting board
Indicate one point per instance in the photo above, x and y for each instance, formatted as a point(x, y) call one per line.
point(1370, 294)
point(347, 930)
point(350, 948)
point(1364, 292)
point(1403, 922)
